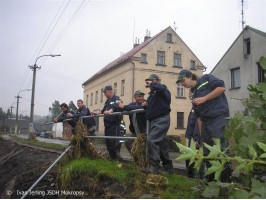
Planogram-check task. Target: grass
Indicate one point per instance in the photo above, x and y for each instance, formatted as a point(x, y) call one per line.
point(72, 174)
point(31, 141)
point(181, 188)
point(95, 168)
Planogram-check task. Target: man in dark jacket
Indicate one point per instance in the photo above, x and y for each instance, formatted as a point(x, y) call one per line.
point(210, 105)
point(112, 123)
point(63, 116)
point(137, 120)
point(158, 113)
point(84, 111)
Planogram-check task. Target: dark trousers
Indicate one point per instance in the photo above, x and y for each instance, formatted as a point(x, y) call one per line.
point(215, 128)
point(157, 144)
point(113, 146)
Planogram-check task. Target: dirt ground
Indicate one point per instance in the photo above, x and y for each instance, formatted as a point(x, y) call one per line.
point(21, 166)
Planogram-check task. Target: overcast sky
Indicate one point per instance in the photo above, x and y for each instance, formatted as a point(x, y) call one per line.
point(90, 34)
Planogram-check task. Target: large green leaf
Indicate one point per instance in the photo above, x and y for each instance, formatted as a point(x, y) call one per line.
point(262, 146)
point(258, 188)
point(262, 62)
point(263, 155)
point(252, 152)
point(187, 152)
point(198, 164)
point(212, 191)
point(239, 194)
point(214, 150)
point(216, 167)
point(239, 167)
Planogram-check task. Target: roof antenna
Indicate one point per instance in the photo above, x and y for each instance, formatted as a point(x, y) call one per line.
point(174, 26)
point(242, 13)
point(134, 31)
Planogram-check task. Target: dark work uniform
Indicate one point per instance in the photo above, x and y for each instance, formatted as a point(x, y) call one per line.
point(212, 114)
point(112, 127)
point(193, 132)
point(64, 116)
point(89, 122)
point(157, 113)
point(139, 119)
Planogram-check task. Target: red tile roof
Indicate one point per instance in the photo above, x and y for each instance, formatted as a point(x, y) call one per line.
point(123, 58)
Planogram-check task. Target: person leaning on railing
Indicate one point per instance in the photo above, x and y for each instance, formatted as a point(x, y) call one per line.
point(63, 116)
point(81, 112)
point(137, 120)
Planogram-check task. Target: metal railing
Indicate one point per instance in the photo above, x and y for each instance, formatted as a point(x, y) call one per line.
point(33, 186)
point(99, 137)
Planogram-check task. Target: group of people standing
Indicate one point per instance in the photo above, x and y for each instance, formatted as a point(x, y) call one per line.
point(206, 120)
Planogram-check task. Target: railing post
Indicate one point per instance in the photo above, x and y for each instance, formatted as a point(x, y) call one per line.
point(148, 132)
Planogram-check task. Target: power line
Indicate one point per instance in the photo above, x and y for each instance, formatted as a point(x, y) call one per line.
point(67, 27)
point(36, 103)
point(51, 31)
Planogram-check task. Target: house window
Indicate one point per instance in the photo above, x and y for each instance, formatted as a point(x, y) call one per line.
point(143, 58)
point(87, 100)
point(123, 87)
point(180, 120)
point(235, 78)
point(246, 46)
point(169, 37)
point(102, 95)
point(261, 73)
point(115, 88)
point(96, 97)
point(177, 60)
point(192, 64)
point(160, 57)
point(180, 90)
point(91, 98)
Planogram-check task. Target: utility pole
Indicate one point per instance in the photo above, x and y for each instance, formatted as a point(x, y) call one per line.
point(18, 97)
point(16, 127)
point(10, 128)
point(34, 67)
point(11, 111)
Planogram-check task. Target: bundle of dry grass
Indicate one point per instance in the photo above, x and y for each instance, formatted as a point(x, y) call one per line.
point(138, 151)
point(82, 147)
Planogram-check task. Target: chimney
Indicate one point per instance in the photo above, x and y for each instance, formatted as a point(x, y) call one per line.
point(136, 42)
point(148, 35)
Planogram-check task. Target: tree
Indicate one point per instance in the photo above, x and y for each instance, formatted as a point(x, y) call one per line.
point(55, 109)
point(2, 114)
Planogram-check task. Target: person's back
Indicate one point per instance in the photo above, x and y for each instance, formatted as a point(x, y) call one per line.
point(159, 101)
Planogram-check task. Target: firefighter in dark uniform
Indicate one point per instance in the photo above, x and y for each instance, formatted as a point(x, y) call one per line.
point(65, 111)
point(210, 105)
point(84, 111)
point(112, 123)
point(137, 120)
point(158, 113)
